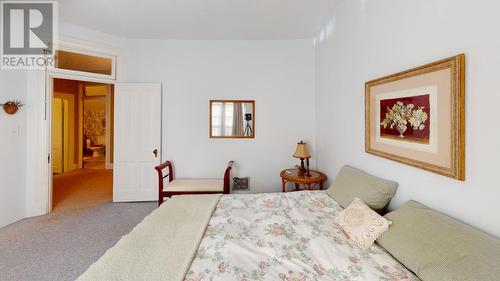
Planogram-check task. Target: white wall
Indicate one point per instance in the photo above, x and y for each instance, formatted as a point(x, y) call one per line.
point(278, 75)
point(12, 147)
point(374, 38)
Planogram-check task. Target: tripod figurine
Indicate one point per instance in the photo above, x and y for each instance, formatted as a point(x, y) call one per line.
point(248, 129)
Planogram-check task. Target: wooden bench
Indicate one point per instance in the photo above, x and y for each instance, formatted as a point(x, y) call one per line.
point(190, 186)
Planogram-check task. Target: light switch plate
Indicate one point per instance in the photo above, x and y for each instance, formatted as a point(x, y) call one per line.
point(14, 131)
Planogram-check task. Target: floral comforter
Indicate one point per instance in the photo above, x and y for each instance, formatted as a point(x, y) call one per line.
point(286, 236)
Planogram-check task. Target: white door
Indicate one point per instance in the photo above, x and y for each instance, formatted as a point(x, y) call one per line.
point(137, 135)
point(57, 135)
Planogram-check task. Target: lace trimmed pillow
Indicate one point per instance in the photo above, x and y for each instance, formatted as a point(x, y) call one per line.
point(361, 224)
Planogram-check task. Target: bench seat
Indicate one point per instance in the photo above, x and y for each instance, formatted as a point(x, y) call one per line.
point(191, 185)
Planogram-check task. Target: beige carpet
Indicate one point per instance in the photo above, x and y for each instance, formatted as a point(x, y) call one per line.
point(82, 188)
point(63, 244)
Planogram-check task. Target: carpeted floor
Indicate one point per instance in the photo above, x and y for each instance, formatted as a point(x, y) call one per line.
point(61, 245)
point(95, 163)
point(82, 188)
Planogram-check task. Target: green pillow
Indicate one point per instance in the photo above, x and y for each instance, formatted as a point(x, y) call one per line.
point(351, 182)
point(437, 247)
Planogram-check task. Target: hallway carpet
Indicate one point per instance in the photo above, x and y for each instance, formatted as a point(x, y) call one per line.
point(63, 244)
point(82, 188)
point(95, 163)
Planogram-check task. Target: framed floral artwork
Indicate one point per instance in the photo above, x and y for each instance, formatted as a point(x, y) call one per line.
point(417, 117)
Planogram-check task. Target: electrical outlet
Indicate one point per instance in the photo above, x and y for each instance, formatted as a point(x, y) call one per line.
point(241, 183)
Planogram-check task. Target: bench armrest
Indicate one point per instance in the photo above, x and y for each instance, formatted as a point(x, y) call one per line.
point(161, 177)
point(227, 177)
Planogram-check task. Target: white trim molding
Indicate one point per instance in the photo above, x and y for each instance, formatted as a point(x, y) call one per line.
point(38, 170)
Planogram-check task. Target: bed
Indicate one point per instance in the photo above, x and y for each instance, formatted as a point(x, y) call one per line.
point(274, 236)
point(293, 237)
point(287, 236)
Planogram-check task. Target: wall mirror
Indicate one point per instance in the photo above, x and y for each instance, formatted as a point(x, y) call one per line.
point(232, 119)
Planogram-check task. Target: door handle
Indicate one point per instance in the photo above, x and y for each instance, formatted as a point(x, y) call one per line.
point(155, 152)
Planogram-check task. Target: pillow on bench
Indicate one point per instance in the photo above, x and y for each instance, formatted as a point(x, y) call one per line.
point(437, 247)
point(351, 183)
point(188, 185)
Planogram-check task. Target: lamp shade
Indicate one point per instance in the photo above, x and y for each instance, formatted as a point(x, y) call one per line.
point(301, 151)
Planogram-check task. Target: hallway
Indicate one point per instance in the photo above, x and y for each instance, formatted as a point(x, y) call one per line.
point(83, 224)
point(82, 188)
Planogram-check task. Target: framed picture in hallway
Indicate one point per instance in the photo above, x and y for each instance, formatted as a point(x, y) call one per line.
point(417, 117)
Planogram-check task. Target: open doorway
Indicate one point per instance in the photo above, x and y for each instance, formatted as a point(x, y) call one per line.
point(82, 143)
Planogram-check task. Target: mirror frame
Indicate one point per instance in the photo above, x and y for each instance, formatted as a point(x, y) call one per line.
point(231, 137)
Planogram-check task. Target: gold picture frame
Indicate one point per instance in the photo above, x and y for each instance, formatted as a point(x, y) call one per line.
point(417, 117)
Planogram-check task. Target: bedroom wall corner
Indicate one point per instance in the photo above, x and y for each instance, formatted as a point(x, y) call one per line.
point(277, 74)
point(12, 151)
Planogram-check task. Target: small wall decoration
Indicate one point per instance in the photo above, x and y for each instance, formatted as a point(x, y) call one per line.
point(12, 106)
point(417, 117)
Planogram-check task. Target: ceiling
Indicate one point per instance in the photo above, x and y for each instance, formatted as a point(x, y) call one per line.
point(200, 19)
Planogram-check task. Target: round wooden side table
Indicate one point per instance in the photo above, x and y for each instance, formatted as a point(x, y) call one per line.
point(292, 175)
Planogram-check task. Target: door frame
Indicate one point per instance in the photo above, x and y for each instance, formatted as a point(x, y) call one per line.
point(108, 164)
point(50, 90)
point(60, 111)
point(39, 137)
point(75, 164)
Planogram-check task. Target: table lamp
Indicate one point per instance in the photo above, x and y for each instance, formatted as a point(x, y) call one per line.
point(302, 153)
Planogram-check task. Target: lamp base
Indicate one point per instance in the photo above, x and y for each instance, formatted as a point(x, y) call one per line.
point(308, 174)
point(304, 169)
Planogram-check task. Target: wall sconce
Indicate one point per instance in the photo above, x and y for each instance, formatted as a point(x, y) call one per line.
point(11, 106)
